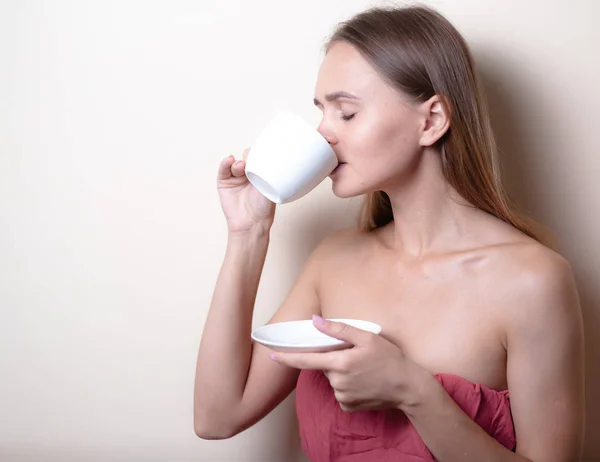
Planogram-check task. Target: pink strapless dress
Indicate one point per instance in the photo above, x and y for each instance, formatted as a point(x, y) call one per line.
point(329, 434)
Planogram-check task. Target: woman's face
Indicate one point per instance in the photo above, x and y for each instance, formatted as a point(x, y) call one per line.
point(374, 130)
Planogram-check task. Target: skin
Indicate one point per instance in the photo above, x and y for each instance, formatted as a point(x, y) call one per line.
point(455, 290)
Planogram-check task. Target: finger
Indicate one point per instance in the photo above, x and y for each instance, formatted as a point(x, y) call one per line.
point(225, 168)
point(307, 361)
point(245, 153)
point(341, 331)
point(238, 168)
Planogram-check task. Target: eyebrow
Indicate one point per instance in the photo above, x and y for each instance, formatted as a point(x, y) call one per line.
point(335, 96)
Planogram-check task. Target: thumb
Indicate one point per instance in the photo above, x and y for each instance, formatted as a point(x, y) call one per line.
point(238, 168)
point(341, 331)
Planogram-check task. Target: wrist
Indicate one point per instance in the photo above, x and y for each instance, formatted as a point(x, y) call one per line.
point(422, 391)
point(250, 238)
point(248, 250)
point(254, 233)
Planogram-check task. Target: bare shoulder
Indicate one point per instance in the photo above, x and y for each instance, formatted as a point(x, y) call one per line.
point(347, 235)
point(534, 265)
point(331, 251)
point(535, 283)
point(342, 243)
point(338, 250)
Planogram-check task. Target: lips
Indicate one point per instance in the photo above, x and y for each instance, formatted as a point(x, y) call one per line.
point(338, 168)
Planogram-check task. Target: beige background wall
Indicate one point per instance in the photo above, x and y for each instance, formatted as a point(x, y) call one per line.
point(113, 118)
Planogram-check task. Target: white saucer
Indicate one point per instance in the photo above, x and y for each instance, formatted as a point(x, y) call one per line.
point(303, 336)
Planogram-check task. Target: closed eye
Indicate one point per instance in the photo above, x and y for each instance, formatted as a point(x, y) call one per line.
point(348, 117)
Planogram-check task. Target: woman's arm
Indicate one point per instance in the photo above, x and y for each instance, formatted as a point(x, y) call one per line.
point(236, 382)
point(545, 377)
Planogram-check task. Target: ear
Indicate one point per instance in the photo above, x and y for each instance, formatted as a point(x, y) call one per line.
point(436, 120)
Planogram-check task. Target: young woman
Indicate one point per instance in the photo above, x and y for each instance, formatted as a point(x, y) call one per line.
point(481, 354)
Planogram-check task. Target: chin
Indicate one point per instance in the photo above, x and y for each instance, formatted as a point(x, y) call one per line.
point(346, 191)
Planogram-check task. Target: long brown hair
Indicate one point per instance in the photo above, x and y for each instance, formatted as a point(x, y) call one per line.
point(422, 54)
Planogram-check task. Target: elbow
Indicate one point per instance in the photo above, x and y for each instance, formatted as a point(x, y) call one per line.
point(213, 429)
point(212, 433)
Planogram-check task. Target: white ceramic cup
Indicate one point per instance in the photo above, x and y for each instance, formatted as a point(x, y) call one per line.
point(289, 159)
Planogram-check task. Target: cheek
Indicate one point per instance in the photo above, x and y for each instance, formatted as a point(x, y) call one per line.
point(364, 142)
point(377, 149)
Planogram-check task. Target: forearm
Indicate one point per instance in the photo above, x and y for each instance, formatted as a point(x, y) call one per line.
point(449, 433)
point(225, 350)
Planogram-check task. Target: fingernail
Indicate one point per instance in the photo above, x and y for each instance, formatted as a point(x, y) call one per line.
point(319, 320)
point(272, 356)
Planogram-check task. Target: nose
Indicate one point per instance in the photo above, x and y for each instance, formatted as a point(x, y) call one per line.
point(326, 132)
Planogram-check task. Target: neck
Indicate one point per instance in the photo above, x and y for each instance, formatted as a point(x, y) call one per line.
point(429, 215)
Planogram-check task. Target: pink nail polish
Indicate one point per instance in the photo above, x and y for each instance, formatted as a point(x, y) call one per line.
point(272, 356)
point(319, 320)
